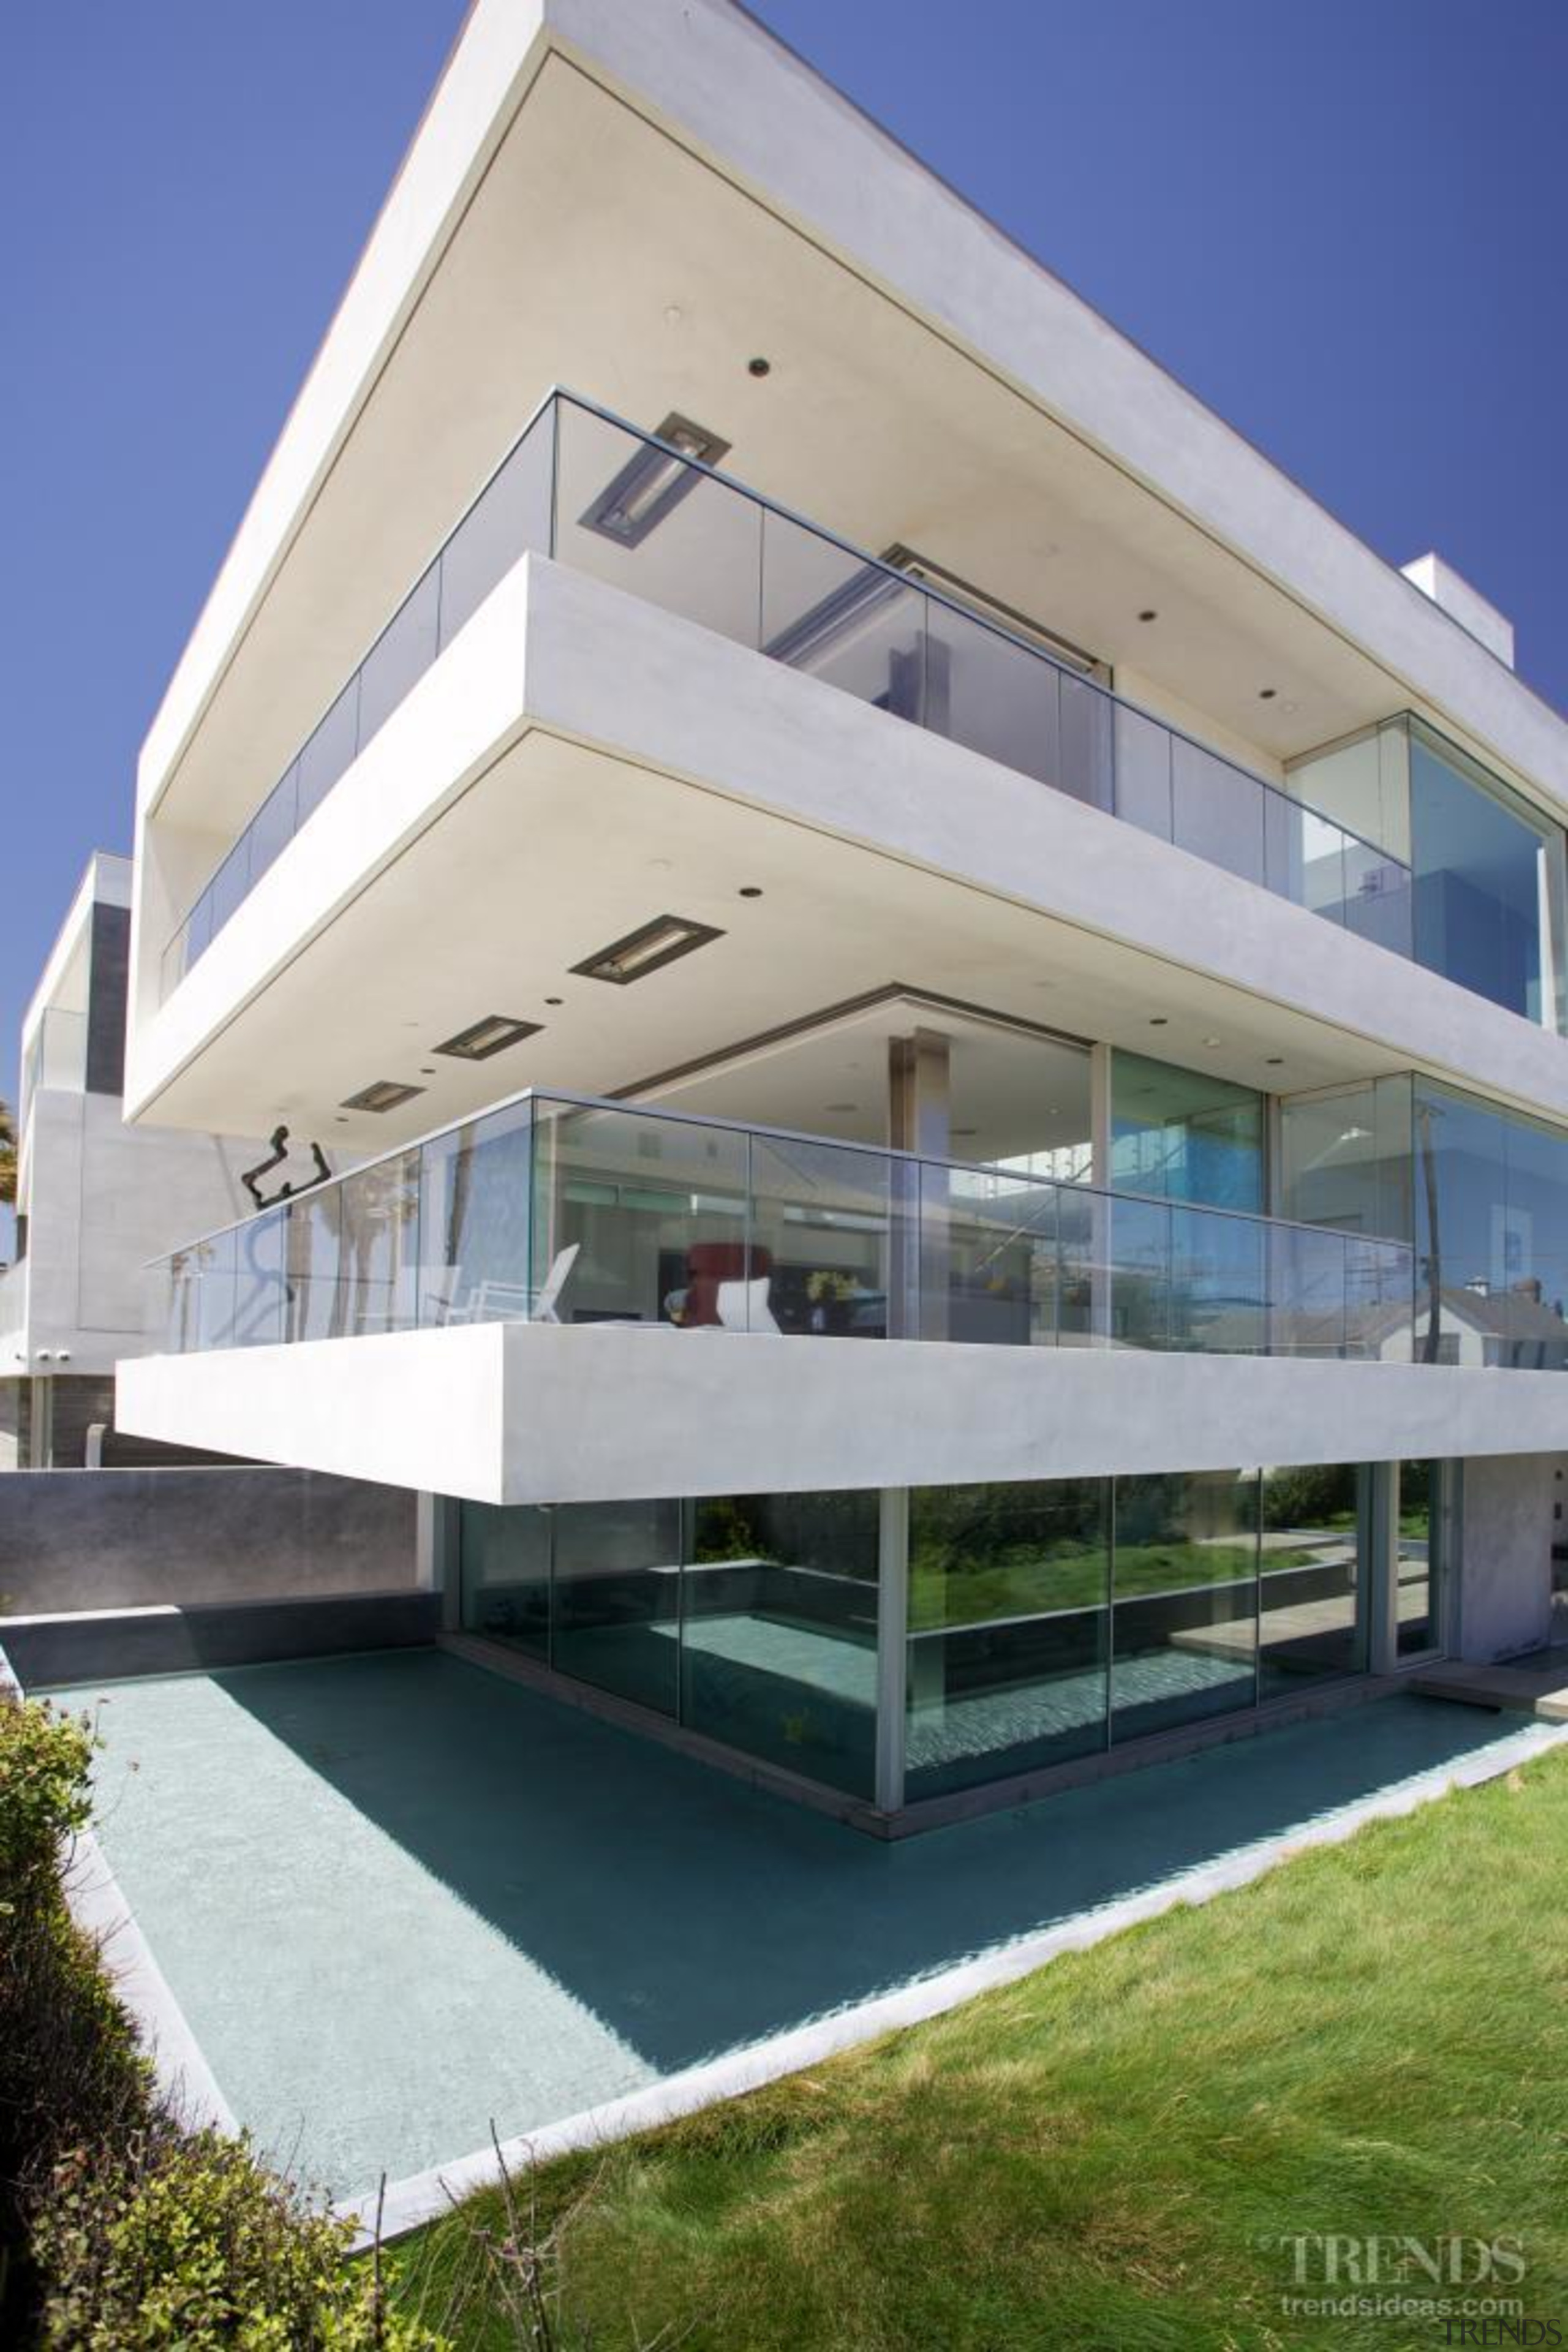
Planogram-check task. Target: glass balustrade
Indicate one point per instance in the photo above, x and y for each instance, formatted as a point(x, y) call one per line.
point(720, 554)
point(558, 1208)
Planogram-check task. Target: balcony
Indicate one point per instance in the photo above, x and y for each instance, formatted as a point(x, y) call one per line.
point(639, 513)
point(561, 1209)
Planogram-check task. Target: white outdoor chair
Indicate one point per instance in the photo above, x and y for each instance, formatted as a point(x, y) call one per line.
point(743, 1307)
point(505, 1302)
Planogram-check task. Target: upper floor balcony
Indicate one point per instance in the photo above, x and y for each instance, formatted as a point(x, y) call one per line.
point(647, 513)
point(560, 1209)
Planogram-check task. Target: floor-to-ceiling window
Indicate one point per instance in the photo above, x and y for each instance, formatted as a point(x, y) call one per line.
point(1184, 1135)
point(1419, 1592)
point(1045, 1620)
point(1312, 1589)
point(1185, 1607)
point(1484, 904)
point(1008, 1613)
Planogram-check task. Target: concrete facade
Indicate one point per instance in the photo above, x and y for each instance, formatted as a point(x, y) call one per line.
point(876, 724)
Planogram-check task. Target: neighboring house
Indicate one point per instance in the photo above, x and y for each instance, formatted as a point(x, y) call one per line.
point(95, 1199)
point(925, 957)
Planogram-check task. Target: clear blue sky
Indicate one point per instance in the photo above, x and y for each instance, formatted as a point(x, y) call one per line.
point(1342, 222)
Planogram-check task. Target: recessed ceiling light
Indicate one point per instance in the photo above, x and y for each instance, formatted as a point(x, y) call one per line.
point(427, 1070)
point(759, 366)
point(967, 1131)
point(644, 950)
point(841, 1106)
point(1150, 615)
point(339, 1119)
point(1160, 1021)
point(750, 891)
point(555, 1000)
point(491, 1036)
point(1267, 693)
point(653, 481)
point(384, 1094)
point(1274, 1061)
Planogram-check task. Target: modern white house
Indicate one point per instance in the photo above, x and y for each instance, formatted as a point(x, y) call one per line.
point(96, 1199)
point(944, 1002)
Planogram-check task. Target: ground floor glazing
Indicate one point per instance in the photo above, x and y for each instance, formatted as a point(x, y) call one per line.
point(899, 1646)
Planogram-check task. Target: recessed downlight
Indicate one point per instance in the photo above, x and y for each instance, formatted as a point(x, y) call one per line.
point(1267, 693)
point(492, 1034)
point(841, 1106)
point(384, 1094)
point(647, 949)
point(1276, 1061)
point(555, 1000)
point(1159, 1021)
point(1149, 616)
point(759, 366)
point(749, 891)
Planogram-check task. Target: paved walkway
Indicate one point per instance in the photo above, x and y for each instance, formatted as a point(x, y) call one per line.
point(399, 1897)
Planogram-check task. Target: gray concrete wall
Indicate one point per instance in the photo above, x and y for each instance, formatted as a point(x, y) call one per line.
point(79, 1539)
point(1505, 1593)
point(45, 1653)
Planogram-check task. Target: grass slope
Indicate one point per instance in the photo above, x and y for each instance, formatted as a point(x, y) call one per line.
point(1106, 2155)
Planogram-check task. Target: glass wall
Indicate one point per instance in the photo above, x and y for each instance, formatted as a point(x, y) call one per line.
point(1344, 1158)
point(1009, 1588)
point(778, 1643)
point(1491, 1235)
point(1046, 1620)
point(1313, 1624)
point(748, 1618)
point(1486, 887)
point(1184, 1599)
point(1182, 1135)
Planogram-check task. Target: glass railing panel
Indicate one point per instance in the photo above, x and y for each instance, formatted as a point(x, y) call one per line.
point(329, 751)
point(214, 1264)
point(822, 1225)
point(1142, 771)
point(1306, 1291)
point(1379, 1302)
point(1320, 866)
point(991, 1242)
point(274, 823)
point(57, 1060)
point(841, 618)
point(990, 695)
point(632, 514)
point(400, 656)
point(1082, 1272)
point(261, 1281)
point(1137, 1273)
point(643, 1220)
point(1086, 772)
point(1217, 810)
point(475, 1211)
point(1378, 904)
point(1219, 1282)
point(378, 1241)
point(172, 1302)
point(231, 884)
point(509, 519)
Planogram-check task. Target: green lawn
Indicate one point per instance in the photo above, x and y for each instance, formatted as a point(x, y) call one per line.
point(1373, 2038)
point(1018, 1582)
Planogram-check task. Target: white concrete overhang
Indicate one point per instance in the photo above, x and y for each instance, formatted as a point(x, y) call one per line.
point(579, 762)
point(538, 1413)
point(635, 200)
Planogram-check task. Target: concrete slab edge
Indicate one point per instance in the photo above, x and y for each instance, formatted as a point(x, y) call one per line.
point(408, 2204)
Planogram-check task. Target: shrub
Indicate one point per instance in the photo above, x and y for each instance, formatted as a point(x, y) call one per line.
point(185, 2239)
point(120, 2229)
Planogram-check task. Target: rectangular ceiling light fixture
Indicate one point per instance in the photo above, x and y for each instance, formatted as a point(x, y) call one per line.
point(386, 1094)
point(640, 952)
point(491, 1036)
point(653, 482)
point(836, 617)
